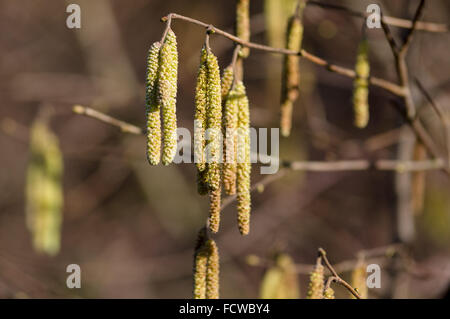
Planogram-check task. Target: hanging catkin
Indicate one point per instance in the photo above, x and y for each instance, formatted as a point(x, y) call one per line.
point(291, 74)
point(44, 194)
point(206, 268)
point(361, 86)
point(213, 122)
point(359, 280)
point(243, 160)
point(230, 123)
point(212, 272)
point(167, 94)
point(200, 111)
point(243, 24)
point(152, 106)
point(315, 288)
point(200, 266)
point(227, 81)
point(214, 209)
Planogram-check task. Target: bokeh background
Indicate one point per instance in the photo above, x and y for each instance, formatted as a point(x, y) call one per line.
point(132, 227)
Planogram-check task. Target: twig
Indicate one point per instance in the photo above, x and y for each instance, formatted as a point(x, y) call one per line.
point(335, 276)
point(396, 22)
point(123, 126)
point(388, 86)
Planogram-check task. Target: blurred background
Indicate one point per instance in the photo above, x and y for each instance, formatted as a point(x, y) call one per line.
point(132, 227)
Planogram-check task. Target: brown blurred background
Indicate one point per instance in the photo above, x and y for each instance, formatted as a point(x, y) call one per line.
point(132, 227)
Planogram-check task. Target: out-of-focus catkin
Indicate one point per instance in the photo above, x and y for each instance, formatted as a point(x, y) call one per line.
point(230, 124)
point(213, 122)
point(359, 280)
point(243, 160)
point(361, 86)
point(243, 24)
point(291, 72)
point(167, 94)
point(44, 194)
point(212, 272)
point(280, 281)
point(328, 293)
point(316, 281)
point(152, 106)
point(418, 180)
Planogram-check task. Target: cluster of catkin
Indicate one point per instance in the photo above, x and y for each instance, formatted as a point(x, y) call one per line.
point(291, 73)
point(161, 92)
point(221, 139)
point(44, 193)
point(206, 268)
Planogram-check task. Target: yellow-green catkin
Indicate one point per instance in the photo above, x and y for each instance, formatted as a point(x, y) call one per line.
point(200, 266)
point(167, 86)
point(291, 72)
point(316, 282)
point(212, 272)
point(227, 81)
point(200, 111)
point(328, 293)
point(361, 86)
point(280, 281)
point(214, 209)
point(230, 124)
point(359, 280)
point(418, 180)
point(243, 160)
point(243, 24)
point(152, 106)
point(44, 193)
point(214, 122)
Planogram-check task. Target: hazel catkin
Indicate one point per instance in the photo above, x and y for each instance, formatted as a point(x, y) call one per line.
point(212, 272)
point(206, 267)
point(167, 94)
point(213, 122)
point(243, 24)
point(152, 106)
point(316, 282)
point(291, 73)
point(243, 160)
point(361, 86)
point(230, 125)
point(328, 293)
point(359, 280)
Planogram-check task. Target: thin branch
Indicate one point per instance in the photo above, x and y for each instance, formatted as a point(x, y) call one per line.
point(336, 277)
point(396, 22)
point(388, 86)
point(411, 31)
point(102, 117)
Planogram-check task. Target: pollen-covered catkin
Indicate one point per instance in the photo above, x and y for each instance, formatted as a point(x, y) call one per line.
point(291, 73)
point(328, 293)
point(212, 272)
point(243, 160)
point(167, 94)
point(213, 122)
point(152, 106)
point(243, 24)
point(200, 266)
point(44, 194)
point(359, 280)
point(214, 209)
point(315, 288)
point(200, 112)
point(230, 124)
point(361, 86)
point(227, 81)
